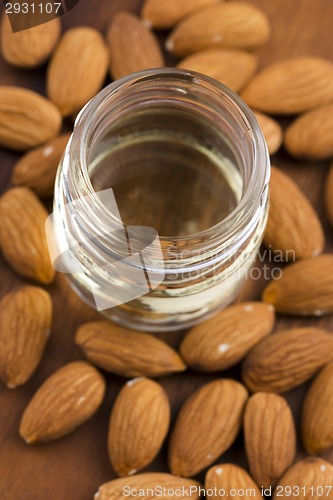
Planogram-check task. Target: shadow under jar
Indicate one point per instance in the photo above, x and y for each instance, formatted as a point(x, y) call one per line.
point(161, 199)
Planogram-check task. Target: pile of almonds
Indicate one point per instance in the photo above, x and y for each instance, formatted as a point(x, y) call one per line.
point(218, 39)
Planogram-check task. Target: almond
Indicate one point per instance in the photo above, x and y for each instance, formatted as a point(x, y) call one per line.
point(233, 68)
point(317, 419)
point(139, 424)
point(25, 323)
point(133, 47)
point(152, 483)
point(26, 119)
point(65, 400)
point(312, 477)
point(83, 57)
point(311, 135)
point(272, 131)
point(291, 86)
point(329, 195)
point(293, 228)
point(286, 359)
point(162, 15)
point(206, 426)
point(37, 169)
point(305, 288)
point(231, 479)
point(270, 437)
point(31, 47)
point(230, 25)
point(22, 235)
point(111, 347)
point(225, 339)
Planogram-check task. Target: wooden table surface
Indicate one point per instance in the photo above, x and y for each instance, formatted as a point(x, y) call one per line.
point(73, 467)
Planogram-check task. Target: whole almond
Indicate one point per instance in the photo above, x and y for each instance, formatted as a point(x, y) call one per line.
point(133, 47)
point(152, 483)
point(311, 135)
point(329, 195)
point(317, 418)
point(270, 437)
point(40, 122)
point(225, 339)
point(83, 57)
point(22, 235)
point(65, 400)
point(293, 228)
point(29, 48)
point(162, 15)
point(111, 347)
point(139, 423)
point(312, 477)
point(304, 289)
point(229, 25)
point(37, 169)
point(25, 323)
point(233, 480)
point(206, 426)
point(286, 359)
point(291, 86)
point(272, 131)
point(233, 68)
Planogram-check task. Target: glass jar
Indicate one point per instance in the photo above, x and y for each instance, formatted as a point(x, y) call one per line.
point(161, 199)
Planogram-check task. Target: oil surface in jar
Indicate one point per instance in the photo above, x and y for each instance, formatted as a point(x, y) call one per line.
point(168, 183)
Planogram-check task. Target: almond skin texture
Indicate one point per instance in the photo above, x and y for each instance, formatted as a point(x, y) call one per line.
point(139, 423)
point(37, 169)
point(231, 479)
point(270, 437)
point(329, 195)
point(148, 481)
point(206, 426)
point(317, 419)
point(82, 55)
point(311, 135)
point(272, 131)
point(25, 323)
point(286, 359)
point(65, 400)
point(163, 15)
point(293, 227)
point(291, 86)
point(29, 48)
point(304, 289)
point(22, 235)
point(235, 25)
point(313, 476)
point(233, 68)
point(133, 47)
point(26, 119)
point(225, 339)
point(111, 347)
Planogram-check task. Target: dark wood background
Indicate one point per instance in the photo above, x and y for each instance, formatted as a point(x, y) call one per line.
point(76, 465)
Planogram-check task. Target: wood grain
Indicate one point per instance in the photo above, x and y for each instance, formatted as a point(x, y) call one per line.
point(74, 467)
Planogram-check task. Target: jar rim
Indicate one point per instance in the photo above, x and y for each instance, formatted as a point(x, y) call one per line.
point(245, 215)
